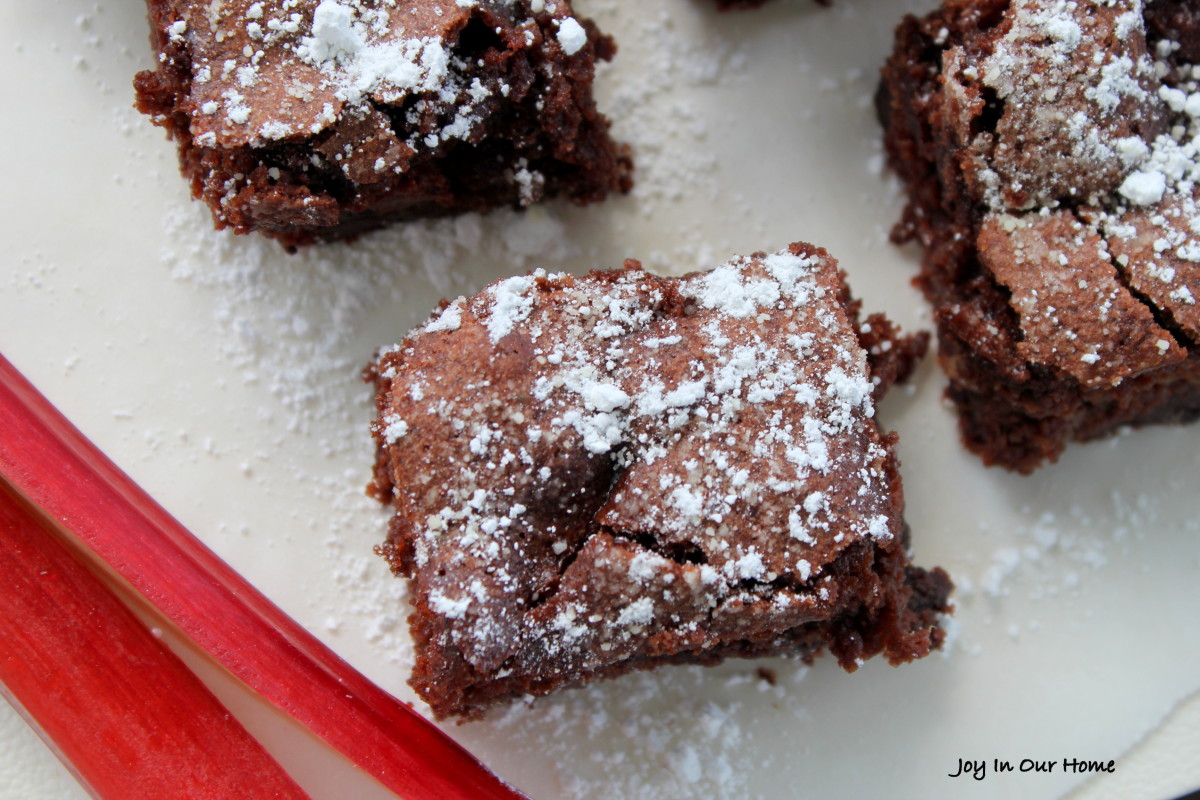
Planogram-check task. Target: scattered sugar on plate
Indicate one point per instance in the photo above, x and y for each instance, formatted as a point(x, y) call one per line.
point(296, 322)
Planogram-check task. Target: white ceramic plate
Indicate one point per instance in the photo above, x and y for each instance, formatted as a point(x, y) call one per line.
point(222, 375)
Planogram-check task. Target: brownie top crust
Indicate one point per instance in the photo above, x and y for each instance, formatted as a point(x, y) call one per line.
point(588, 470)
point(311, 120)
point(267, 70)
point(1070, 131)
point(1067, 103)
point(1074, 313)
point(1074, 89)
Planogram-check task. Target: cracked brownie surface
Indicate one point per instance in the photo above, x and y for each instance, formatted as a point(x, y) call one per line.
point(596, 474)
point(1049, 149)
point(309, 120)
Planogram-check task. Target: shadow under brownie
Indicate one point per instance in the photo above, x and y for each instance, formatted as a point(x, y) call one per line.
point(613, 472)
point(1048, 149)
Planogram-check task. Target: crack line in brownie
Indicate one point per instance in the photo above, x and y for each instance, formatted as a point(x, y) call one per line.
point(1162, 316)
point(762, 589)
point(1084, 217)
point(783, 582)
point(804, 638)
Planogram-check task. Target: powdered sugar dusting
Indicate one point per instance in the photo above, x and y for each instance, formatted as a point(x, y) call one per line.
point(1096, 130)
point(571, 36)
point(1067, 100)
point(725, 290)
point(367, 87)
point(390, 68)
point(752, 398)
point(511, 304)
point(449, 319)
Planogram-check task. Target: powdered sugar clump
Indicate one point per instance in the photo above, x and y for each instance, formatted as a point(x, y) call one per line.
point(511, 304)
point(449, 319)
point(1144, 188)
point(571, 36)
point(361, 65)
point(726, 290)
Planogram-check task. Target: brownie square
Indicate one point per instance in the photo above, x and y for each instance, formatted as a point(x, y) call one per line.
point(1049, 152)
point(308, 120)
point(597, 474)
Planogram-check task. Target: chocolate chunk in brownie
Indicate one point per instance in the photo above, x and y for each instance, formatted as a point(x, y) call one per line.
point(309, 120)
point(1049, 152)
point(612, 472)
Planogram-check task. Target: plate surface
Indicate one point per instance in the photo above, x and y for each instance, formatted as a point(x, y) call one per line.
point(222, 374)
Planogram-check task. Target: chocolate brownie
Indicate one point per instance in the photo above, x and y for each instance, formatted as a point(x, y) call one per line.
point(309, 120)
point(597, 474)
point(1050, 156)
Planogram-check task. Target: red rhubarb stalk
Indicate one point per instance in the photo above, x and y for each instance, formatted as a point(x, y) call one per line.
point(55, 467)
point(123, 712)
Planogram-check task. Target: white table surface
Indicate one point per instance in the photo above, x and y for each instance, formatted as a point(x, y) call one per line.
point(222, 375)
